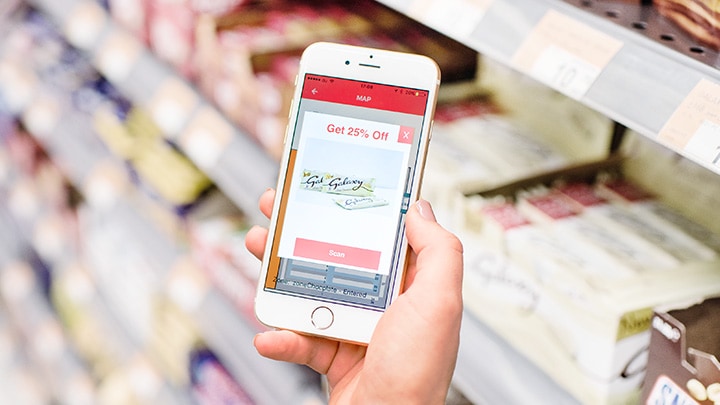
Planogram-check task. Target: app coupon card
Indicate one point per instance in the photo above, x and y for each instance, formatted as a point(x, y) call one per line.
point(347, 188)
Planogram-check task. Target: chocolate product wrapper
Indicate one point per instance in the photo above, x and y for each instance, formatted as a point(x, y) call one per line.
point(356, 203)
point(337, 184)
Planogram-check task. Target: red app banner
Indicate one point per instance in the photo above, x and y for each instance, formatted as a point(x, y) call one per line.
point(362, 94)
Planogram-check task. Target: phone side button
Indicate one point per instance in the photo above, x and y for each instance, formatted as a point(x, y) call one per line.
point(322, 318)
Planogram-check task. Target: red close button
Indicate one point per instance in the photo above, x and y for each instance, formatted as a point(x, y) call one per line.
point(405, 135)
point(338, 254)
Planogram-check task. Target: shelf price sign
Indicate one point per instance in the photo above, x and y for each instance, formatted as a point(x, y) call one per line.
point(117, 56)
point(694, 127)
point(206, 137)
point(85, 25)
point(171, 106)
point(565, 54)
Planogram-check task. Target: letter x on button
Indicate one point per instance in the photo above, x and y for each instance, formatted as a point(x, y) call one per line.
point(406, 134)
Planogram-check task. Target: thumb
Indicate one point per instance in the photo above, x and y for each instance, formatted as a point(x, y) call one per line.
point(437, 253)
point(416, 340)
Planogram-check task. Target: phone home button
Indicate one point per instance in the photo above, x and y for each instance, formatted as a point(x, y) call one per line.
point(322, 317)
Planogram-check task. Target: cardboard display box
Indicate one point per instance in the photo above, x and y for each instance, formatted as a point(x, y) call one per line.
point(683, 365)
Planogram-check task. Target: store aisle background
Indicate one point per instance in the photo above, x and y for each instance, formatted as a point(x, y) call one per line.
point(137, 135)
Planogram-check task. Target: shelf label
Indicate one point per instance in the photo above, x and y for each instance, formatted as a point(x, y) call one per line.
point(565, 54)
point(171, 106)
point(104, 185)
point(117, 56)
point(18, 86)
point(42, 117)
point(85, 25)
point(206, 138)
point(705, 143)
point(563, 71)
point(187, 287)
point(694, 127)
point(457, 18)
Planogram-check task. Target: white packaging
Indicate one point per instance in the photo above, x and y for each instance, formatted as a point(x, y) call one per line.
point(620, 218)
point(662, 212)
point(560, 302)
point(512, 151)
point(556, 211)
point(645, 205)
point(592, 344)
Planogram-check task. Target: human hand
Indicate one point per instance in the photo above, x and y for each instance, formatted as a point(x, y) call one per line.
point(411, 355)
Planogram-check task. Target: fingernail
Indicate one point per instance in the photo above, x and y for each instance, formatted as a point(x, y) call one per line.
point(425, 210)
point(256, 337)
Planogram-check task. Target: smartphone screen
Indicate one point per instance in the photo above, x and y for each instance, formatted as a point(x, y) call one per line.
point(340, 224)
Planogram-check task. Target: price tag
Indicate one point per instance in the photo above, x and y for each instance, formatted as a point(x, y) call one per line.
point(186, 286)
point(78, 284)
point(458, 18)
point(565, 72)
point(117, 56)
point(171, 106)
point(42, 117)
point(48, 341)
point(104, 185)
point(705, 143)
point(206, 137)
point(17, 281)
point(565, 54)
point(694, 127)
point(143, 378)
point(85, 24)
point(17, 86)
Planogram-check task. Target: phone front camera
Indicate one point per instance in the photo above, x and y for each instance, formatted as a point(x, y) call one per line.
point(371, 56)
point(347, 62)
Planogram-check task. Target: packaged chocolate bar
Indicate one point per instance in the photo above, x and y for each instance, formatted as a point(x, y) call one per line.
point(356, 203)
point(337, 184)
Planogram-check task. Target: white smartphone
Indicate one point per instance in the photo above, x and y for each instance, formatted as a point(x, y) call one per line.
point(355, 148)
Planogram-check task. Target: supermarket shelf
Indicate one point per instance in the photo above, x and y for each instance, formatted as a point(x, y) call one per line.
point(69, 149)
point(10, 245)
point(648, 22)
point(36, 319)
point(640, 86)
point(243, 163)
point(55, 363)
point(237, 164)
point(72, 143)
point(218, 322)
point(267, 381)
point(511, 378)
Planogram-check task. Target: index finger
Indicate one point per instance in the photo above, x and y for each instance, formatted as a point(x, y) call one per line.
point(266, 202)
